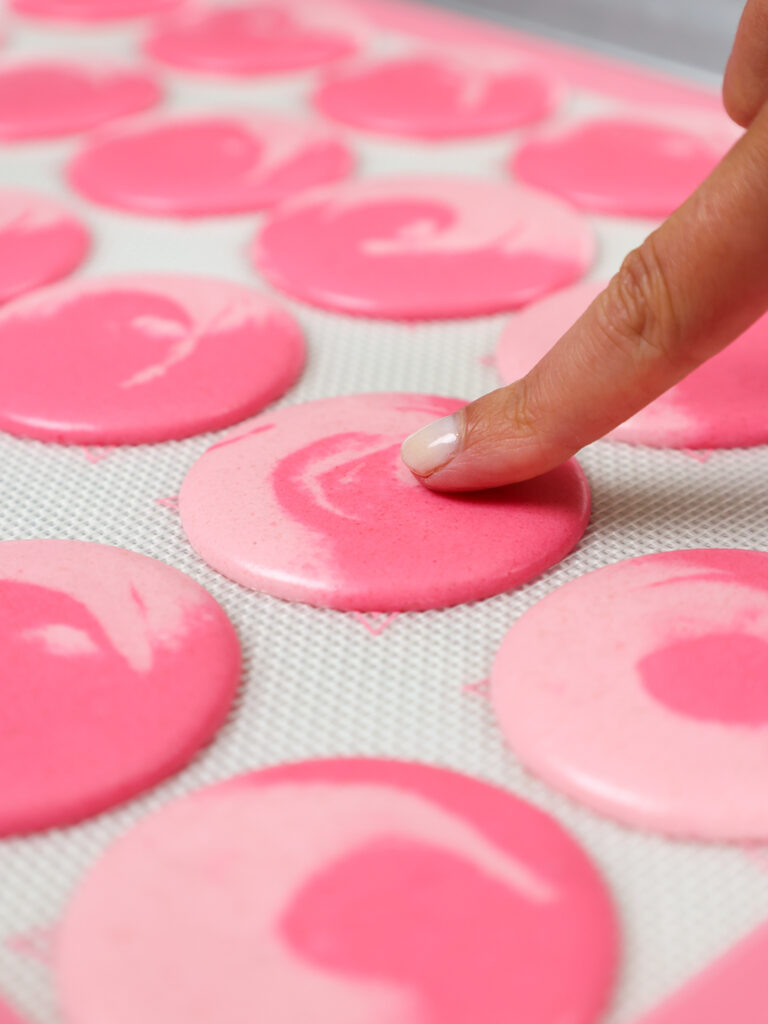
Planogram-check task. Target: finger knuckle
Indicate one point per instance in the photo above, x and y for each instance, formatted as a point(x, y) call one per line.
point(520, 407)
point(636, 312)
point(513, 413)
point(522, 412)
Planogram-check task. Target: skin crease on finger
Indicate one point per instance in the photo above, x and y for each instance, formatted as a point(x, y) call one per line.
point(691, 288)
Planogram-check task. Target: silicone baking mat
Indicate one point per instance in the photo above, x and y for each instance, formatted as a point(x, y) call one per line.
point(320, 683)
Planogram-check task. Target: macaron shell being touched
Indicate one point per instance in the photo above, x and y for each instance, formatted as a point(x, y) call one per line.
point(313, 503)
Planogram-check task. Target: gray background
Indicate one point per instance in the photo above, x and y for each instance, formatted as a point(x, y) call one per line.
point(694, 33)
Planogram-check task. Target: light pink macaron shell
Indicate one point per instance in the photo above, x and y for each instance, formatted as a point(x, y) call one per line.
point(116, 670)
point(423, 247)
point(141, 358)
point(641, 690)
point(8, 1015)
point(40, 241)
point(348, 891)
point(719, 405)
point(46, 98)
point(313, 503)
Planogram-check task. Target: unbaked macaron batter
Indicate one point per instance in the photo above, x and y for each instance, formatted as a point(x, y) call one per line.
point(116, 669)
point(641, 689)
point(435, 95)
point(207, 164)
point(357, 892)
point(313, 503)
point(91, 10)
point(254, 38)
point(626, 165)
point(423, 247)
point(144, 358)
point(40, 241)
point(45, 97)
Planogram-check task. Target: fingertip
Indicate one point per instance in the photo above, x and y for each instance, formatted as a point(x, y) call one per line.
point(478, 448)
point(741, 105)
point(466, 471)
point(429, 449)
point(745, 85)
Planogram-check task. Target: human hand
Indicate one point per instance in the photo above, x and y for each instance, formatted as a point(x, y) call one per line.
point(693, 286)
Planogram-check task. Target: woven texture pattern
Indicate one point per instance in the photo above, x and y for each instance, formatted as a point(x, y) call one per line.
point(319, 683)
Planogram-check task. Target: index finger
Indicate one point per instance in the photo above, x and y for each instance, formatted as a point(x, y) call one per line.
point(693, 286)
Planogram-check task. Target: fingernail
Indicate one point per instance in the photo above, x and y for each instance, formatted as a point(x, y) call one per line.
point(432, 446)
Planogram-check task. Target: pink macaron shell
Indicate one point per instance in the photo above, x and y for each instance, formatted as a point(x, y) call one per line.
point(45, 98)
point(145, 358)
point(254, 38)
point(435, 95)
point(117, 669)
point(732, 987)
point(531, 332)
point(40, 241)
point(312, 503)
point(352, 891)
point(423, 247)
point(206, 164)
point(91, 10)
point(719, 405)
point(641, 690)
point(631, 165)
point(8, 1015)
